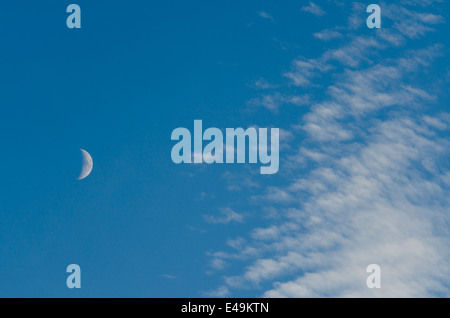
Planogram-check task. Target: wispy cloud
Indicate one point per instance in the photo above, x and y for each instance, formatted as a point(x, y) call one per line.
point(226, 216)
point(276, 194)
point(275, 101)
point(168, 276)
point(262, 84)
point(304, 70)
point(314, 9)
point(327, 35)
point(218, 293)
point(266, 15)
point(237, 182)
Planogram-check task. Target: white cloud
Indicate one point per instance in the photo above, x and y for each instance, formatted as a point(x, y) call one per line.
point(274, 101)
point(431, 18)
point(168, 276)
point(436, 122)
point(276, 194)
point(269, 233)
point(410, 23)
point(357, 20)
point(226, 216)
point(262, 84)
point(266, 15)
point(236, 243)
point(327, 35)
point(391, 37)
point(217, 263)
point(314, 9)
point(304, 70)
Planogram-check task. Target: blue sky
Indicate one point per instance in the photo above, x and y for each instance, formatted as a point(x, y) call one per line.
point(364, 175)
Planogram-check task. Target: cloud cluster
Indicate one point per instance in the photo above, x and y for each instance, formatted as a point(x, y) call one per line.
point(370, 182)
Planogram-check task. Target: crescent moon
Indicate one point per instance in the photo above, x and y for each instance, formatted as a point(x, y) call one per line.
point(87, 164)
